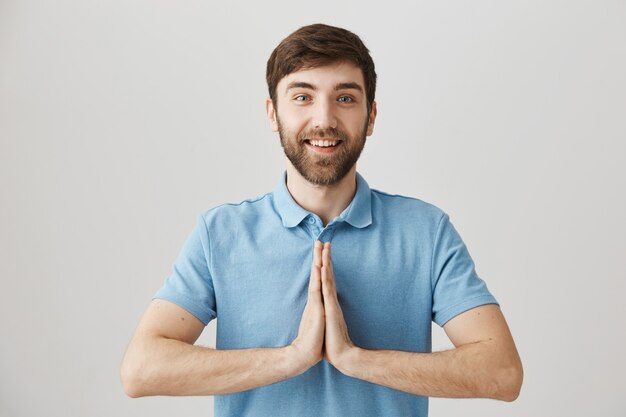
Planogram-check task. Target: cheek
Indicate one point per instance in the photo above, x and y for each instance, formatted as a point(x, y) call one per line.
point(292, 121)
point(355, 124)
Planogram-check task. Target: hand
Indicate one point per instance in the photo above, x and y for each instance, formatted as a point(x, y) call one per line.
point(310, 340)
point(337, 343)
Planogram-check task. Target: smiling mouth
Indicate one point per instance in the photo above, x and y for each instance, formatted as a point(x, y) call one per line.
point(323, 143)
point(323, 148)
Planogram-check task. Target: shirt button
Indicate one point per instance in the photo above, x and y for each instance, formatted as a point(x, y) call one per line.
point(311, 220)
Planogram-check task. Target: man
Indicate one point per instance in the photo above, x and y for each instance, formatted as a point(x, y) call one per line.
point(324, 289)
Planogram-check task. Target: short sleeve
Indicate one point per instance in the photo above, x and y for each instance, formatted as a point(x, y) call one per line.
point(456, 286)
point(190, 284)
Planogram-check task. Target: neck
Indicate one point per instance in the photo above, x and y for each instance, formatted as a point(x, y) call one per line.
point(327, 201)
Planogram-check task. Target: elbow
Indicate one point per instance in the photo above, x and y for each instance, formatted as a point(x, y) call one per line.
point(131, 374)
point(131, 388)
point(141, 371)
point(130, 381)
point(508, 384)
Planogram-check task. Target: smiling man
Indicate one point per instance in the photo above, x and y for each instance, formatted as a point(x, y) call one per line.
point(324, 289)
point(324, 121)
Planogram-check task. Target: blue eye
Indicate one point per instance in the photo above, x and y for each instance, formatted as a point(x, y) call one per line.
point(297, 98)
point(349, 99)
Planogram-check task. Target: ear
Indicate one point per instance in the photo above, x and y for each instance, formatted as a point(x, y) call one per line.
point(271, 114)
point(370, 124)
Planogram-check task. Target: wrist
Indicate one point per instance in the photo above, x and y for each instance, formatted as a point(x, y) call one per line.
point(349, 361)
point(297, 362)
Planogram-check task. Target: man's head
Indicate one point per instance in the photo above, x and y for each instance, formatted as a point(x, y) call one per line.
point(318, 45)
point(321, 82)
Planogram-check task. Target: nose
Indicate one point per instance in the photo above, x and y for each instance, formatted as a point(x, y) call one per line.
point(324, 115)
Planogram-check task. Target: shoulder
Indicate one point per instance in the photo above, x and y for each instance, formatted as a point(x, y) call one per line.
point(250, 209)
point(406, 208)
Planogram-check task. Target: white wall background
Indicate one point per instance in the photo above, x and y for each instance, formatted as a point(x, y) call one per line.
point(120, 121)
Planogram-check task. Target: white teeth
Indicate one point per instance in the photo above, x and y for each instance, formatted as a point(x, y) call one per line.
point(323, 143)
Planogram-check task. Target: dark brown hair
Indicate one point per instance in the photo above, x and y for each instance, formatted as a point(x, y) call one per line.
point(318, 45)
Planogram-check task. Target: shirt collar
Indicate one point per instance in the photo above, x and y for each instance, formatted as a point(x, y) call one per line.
point(358, 213)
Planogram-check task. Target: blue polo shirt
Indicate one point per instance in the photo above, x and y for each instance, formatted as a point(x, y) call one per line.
point(399, 265)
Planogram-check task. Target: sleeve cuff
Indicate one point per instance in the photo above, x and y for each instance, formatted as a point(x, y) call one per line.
point(444, 316)
point(205, 315)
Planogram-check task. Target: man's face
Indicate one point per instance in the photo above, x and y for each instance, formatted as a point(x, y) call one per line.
point(318, 105)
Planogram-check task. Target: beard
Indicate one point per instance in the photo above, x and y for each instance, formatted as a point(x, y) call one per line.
point(319, 168)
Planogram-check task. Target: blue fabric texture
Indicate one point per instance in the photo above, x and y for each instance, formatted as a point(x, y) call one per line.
point(399, 264)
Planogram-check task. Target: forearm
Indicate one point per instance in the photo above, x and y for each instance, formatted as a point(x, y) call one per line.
point(469, 371)
point(161, 366)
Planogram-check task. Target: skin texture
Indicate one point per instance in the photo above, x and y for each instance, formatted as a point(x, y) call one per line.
point(162, 360)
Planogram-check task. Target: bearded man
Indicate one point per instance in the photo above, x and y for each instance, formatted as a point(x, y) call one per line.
point(324, 289)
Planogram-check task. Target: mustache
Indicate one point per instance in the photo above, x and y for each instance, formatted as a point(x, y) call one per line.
point(323, 133)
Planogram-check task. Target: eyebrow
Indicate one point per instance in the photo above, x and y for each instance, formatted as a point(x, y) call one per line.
point(340, 86)
point(348, 86)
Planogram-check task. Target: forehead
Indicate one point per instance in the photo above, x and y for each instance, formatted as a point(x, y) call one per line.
point(325, 77)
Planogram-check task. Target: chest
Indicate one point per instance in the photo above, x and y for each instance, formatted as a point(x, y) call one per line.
point(383, 288)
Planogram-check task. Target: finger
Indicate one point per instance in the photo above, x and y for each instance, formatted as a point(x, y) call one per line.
point(315, 284)
point(328, 278)
point(317, 260)
point(328, 262)
point(326, 257)
point(317, 253)
point(328, 290)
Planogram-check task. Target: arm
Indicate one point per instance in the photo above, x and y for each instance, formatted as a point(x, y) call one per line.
point(484, 363)
point(162, 360)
